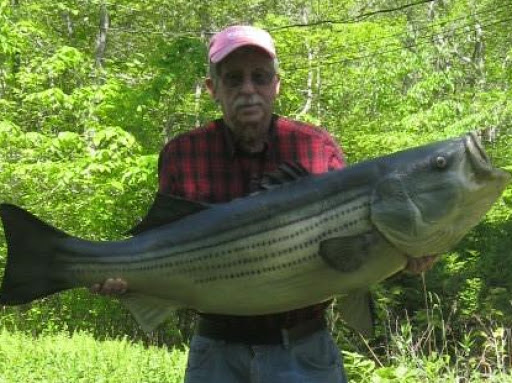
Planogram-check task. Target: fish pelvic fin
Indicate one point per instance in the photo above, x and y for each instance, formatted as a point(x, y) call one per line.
point(148, 311)
point(30, 267)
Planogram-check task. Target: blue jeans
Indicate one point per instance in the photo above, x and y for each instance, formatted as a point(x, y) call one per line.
point(313, 359)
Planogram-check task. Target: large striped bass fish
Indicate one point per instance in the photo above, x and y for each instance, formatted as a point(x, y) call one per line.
point(304, 240)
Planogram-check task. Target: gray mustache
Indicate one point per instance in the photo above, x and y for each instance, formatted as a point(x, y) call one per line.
point(251, 101)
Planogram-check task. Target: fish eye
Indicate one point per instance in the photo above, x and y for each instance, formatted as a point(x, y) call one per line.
point(441, 162)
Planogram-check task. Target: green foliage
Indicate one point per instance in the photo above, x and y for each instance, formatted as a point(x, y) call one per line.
point(109, 184)
point(429, 354)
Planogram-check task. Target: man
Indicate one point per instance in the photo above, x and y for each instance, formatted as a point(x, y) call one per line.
point(225, 159)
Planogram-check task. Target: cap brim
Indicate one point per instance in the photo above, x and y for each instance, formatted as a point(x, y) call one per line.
point(223, 53)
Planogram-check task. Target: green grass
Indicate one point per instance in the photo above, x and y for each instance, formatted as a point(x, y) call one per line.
point(414, 355)
point(81, 358)
point(56, 358)
point(432, 369)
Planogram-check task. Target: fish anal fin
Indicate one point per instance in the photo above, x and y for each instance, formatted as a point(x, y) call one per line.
point(166, 209)
point(148, 311)
point(357, 310)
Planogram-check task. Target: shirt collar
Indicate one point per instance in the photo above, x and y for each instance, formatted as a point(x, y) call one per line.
point(229, 140)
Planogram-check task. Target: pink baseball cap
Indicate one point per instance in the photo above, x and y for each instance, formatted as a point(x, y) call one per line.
point(236, 36)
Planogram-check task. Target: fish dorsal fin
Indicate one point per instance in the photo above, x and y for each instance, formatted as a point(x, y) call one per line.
point(166, 209)
point(286, 172)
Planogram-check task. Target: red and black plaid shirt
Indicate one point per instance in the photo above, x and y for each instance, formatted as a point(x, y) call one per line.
point(205, 165)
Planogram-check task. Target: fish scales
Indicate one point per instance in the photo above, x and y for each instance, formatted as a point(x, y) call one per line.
point(276, 242)
point(274, 254)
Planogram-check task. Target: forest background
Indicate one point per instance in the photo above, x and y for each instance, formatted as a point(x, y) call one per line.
point(91, 90)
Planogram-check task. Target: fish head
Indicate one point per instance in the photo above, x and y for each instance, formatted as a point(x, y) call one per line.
point(433, 195)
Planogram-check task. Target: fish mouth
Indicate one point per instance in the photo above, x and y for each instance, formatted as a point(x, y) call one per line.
point(483, 169)
point(479, 160)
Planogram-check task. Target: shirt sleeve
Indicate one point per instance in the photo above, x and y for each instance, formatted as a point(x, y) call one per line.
point(165, 172)
point(333, 154)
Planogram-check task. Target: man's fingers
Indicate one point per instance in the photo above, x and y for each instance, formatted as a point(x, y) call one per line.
point(419, 265)
point(111, 286)
point(95, 289)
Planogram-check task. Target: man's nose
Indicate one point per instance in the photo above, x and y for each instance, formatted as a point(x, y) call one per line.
point(247, 85)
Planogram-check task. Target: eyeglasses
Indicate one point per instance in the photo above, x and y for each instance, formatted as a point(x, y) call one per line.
point(258, 78)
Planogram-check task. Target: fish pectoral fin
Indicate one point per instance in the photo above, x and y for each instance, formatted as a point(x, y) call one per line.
point(166, 209)
point(357, 310)
point(149, 311)
point(347, 254)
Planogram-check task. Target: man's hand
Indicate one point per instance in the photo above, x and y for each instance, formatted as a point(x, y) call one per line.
point(419, 265)
point(112, 286)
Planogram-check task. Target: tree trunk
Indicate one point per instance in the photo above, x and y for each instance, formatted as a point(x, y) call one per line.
point(309, 81)
point(197, 102)
point(478, 53)
point(318, 91)
point(69, 23)
point(309, 84)
point(101, 42)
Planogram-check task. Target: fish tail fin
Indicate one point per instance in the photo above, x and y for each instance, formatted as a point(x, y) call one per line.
point(30, 270)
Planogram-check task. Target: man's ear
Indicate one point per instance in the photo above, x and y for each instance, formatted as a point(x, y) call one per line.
point(278, 85)
point(210, 86)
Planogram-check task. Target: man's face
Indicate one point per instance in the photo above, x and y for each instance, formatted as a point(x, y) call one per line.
point(246, 91)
